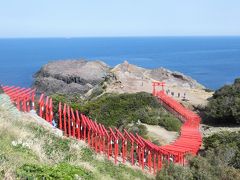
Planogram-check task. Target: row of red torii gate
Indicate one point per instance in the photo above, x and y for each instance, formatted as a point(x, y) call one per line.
point(121, 146)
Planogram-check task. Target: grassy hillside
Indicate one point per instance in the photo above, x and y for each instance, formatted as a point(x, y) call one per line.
point(29, 150)
point(120, 110)
point(32, 151)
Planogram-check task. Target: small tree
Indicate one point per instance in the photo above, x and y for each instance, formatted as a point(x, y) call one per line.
point(224, 106)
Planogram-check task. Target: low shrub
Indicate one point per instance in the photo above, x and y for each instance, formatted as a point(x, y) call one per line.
point(59, 171)
point(171, 172)
point(224, 106)
point(219, 160)
point(226, 145)
point(170, 122)
point(207, 168)
point(120, 171)
point(120, 110)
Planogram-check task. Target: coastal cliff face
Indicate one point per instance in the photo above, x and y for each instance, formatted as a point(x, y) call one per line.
point(70, 77)
point(84, 77)
point(132, 77)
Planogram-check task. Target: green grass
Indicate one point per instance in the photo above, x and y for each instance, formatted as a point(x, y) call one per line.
point(50, 156)
point(87, 154)
point(120, 110)
point(13, 156)
point(58, 171)
point(53, 157)
point(119, 172)
point(55, 145)
point(37, 130)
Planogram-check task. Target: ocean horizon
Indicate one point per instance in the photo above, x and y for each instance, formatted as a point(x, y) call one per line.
point(212, 61)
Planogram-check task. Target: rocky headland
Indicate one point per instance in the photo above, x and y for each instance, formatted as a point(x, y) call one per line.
point(70, 77)
point(84, 78)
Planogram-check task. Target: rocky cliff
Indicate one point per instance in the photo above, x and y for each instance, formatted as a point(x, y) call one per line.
point(132, 77)
point(70, 77)
point(84, 77)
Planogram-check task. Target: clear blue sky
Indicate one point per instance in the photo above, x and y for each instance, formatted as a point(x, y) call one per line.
point(77, 18)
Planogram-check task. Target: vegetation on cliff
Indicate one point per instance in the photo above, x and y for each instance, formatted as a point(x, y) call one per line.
point(226, 145)
point(224, 106)
point(219, 160)
point(124, 110)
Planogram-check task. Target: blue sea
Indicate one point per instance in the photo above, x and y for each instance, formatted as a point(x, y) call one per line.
point(213, 61)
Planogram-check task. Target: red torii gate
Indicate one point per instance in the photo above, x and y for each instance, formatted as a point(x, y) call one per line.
point(123, 139)
point(156, 84)
point(21, 97)
point(46, 109)
point(127, 136)
point(190, 138)
point(41, 105)
point(78, 126)
point(108, 140)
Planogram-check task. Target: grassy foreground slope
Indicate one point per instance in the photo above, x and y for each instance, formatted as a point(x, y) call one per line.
point(29, 150)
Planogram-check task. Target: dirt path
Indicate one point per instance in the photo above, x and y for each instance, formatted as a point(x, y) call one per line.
point(159, 133)
point(210, 130)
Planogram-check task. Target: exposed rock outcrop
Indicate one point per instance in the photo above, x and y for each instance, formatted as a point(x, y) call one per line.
point(130, 76)
point(91, 77)
point(70, 77)
point(177, 78)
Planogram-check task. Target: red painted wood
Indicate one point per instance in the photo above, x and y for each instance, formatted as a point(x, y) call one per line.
point(108, 140)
